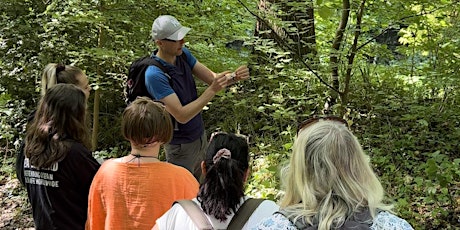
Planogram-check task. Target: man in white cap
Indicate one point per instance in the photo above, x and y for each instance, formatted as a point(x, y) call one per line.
point(180, 97)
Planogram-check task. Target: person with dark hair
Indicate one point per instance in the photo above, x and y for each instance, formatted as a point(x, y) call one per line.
point(329, 183)
point(226, 169)
point(59, 167)
point(131, 192)
point(53, 74)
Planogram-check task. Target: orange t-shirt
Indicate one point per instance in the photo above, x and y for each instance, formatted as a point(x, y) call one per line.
point(132, 196)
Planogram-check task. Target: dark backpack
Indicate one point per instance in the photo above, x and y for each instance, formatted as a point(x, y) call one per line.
point(135, 84)
point(359, 221)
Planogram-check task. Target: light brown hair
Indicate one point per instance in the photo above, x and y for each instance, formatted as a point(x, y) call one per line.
point(67, 75)
point(145, 121)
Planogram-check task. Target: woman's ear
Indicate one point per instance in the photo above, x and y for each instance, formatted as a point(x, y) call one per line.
point(203, 168)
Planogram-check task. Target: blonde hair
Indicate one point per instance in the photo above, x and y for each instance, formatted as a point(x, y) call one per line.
point(68, 75)
point(329, 177)
point(145, 121)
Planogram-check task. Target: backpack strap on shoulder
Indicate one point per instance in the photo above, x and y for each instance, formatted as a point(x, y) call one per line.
point(163, 68)
point(156, 63)
point(196, 214)
point(244, 212)
point(359, 221)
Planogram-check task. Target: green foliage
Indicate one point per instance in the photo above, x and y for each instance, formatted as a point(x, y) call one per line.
point(10, 113)
point(402, 101)
point(114, 152)
point(404, 130)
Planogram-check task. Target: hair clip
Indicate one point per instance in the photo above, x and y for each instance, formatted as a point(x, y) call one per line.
point(225, 153)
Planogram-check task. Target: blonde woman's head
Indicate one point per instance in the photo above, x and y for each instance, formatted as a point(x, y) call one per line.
point(58, 73)
point(329, 176)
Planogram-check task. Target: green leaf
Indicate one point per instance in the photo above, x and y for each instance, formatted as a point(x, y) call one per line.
point(325, 12)
point(287, 146)
point(431, 190)
point(432, 167)
point(424, 123)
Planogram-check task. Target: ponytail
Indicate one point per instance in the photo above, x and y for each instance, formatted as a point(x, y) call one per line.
point(59, 73)
point(227, 161)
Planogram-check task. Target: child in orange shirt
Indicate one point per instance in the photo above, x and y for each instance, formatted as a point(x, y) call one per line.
point(131, 192)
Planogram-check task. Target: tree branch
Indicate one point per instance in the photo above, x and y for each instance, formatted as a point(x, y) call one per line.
point(337, 42)
point(286, 47)
point(353, 50)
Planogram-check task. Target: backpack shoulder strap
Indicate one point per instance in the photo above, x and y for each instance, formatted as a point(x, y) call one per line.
point(243, 213)
point(359, 221)
point(148, 61)
point(196, 214)
point(153, 61)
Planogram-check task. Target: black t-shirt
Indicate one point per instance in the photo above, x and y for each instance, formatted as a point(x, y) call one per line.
point(59, 194)
point(20, 155)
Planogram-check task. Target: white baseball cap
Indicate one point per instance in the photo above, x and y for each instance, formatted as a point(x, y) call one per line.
point(167, 26)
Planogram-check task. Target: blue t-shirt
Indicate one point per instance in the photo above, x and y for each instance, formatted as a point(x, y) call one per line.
point(183, 85)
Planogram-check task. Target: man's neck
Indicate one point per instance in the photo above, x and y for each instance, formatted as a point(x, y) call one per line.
point(171, 59)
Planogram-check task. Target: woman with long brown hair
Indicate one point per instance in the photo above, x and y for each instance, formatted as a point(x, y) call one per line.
point(59, 167)
point(53, 74)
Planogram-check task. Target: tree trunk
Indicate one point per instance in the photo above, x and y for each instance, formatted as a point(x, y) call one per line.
point(334, 56)
point(96, 106)
point(97, 94)
point(351, 56)
point(303, 20)
point(302, 40)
